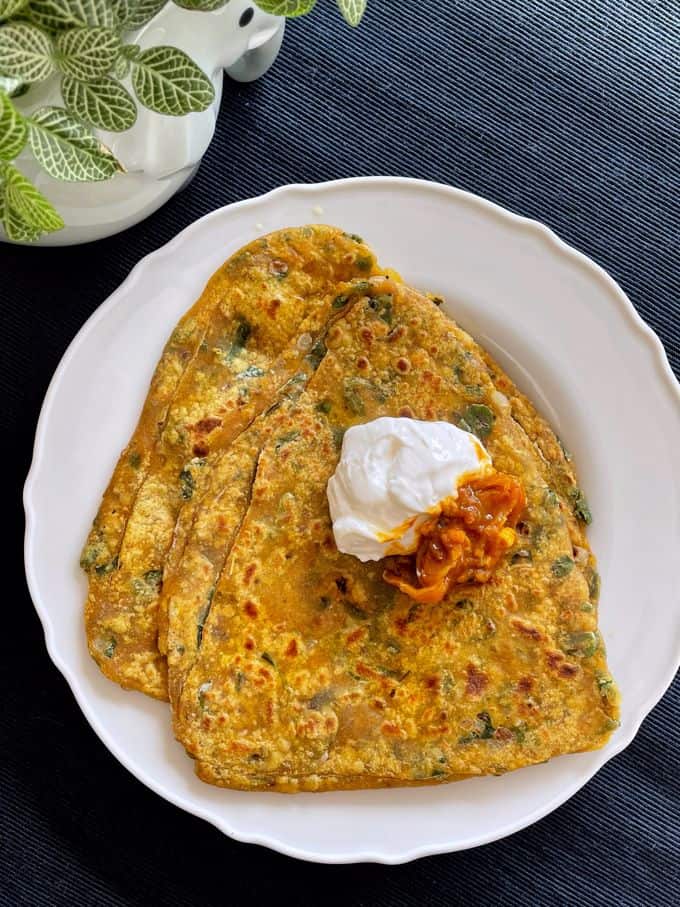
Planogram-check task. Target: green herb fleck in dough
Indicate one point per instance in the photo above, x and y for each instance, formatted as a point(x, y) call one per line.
point(437, 300)
point(584, 643)
point(382, 306)
point(567, 453)
point(241, 335)
point(580, 505)
point(464, 604)
point(484, 733)
point(562, 566)
point(186, 482)
point(610, 724)
point(353, 400)
point(605, 685)
point(110, 648)
point(90, 555)
point(338, 435)
point(394, 673)
point(239, 680)
point(361, 286)
point(550, 498)
point(324, 602)
point(355, 237)
point(488, 729)
point(135, 459)
point(320, 699)
point(203, 616)
point(324, 406)
point(448, 683)
point(340, 301)
point(154, 578)
point(520, 732)
point(478, 419)
point(316, 354)
point(265, 656)
point(587, 607)
point(253, 371)
point(286, 439)
point(413, 612)
point(103, 569)
point(363, 263)
point(354, 610)
point(437, 772)
point(594, 586)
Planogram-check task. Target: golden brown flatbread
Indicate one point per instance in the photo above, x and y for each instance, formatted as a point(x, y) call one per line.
point(252, 331)
point(310, 672)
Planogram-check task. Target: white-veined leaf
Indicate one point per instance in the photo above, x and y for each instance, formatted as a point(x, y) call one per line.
point(87, 53)
point(103, 103)
point(66, 148)
point(12, 129)
point(24, 199)
point(288, 8)
point(11, 7)
point(166, 80)
point(130, 51)
point(16, 229)
point(11, 85)
point(352, 10)
point(200, 5)
point(26, 52)
point(121, 68)
point(58, 14)
point(135, 13)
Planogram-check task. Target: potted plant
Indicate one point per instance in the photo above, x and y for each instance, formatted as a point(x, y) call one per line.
point(107, 106)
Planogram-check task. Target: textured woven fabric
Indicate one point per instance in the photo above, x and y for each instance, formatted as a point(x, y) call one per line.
point(563, 110)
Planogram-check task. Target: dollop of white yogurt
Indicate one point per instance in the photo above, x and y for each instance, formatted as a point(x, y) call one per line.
point(392, 474)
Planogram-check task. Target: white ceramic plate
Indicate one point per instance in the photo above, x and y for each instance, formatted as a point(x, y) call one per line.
point(569, 337)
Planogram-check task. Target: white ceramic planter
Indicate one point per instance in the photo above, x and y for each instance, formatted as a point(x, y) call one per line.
point(160, 153)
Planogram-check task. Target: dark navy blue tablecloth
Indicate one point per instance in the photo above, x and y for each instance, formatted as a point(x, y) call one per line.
point(564, 110)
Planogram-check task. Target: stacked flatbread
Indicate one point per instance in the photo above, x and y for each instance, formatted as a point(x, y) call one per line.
point(215, 581)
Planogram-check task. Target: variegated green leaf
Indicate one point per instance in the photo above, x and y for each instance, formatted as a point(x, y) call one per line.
point(202, 5)
point(166, 80)
point(103, 103)
point(16, 229)
point(58, 14)
point(352, 10)
point(121, 68)
point(24, 199)
point(130, 51)
point(87, 53)
point(11, 7)
point(26, 52)
point(12, 129)
point(66, 148)
point(11, 85)
point(135, 13)
point(288, 8)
